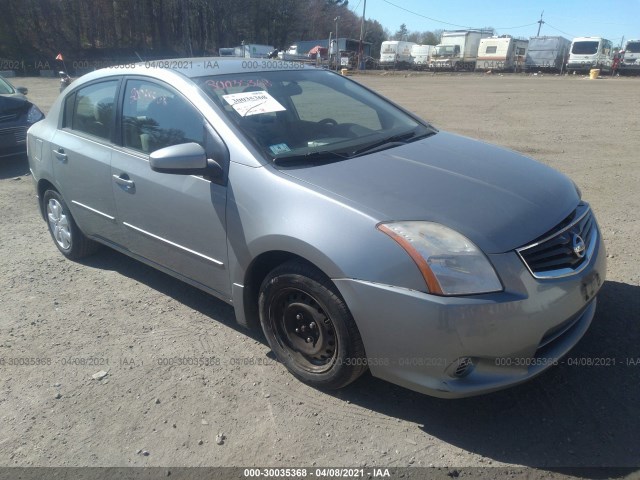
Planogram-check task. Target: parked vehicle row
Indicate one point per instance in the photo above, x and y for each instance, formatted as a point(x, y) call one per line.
point(480, 50)
point(470, 50)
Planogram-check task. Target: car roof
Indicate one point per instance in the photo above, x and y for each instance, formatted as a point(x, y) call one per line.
point(205, 66)
point(195, 67)
point(200, 67)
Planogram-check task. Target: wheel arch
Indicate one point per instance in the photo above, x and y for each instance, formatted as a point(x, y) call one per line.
point(255, 274)
point(43, 186)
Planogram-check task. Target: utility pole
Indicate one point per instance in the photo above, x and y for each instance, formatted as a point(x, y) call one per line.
point(540, 22)
point(337, 44)
point(360, 47)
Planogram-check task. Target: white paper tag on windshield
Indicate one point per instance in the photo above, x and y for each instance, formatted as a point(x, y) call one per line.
point(253, 103)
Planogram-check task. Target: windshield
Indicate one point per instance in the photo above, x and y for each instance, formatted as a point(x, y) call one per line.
point(5, 87)
point(633, 47)
point(585, 48)
point(389, 48)
point(444, 50)
point(310, 114)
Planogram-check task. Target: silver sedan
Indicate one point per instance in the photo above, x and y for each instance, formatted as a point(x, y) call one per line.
point(356, 234)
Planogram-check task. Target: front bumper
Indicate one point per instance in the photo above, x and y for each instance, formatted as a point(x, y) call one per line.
point(629, 67)
point(442, 65)
point(423, 341)
point(13, 141)
point(581, 66)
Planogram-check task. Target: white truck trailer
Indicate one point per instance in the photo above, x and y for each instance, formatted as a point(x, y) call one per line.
point(503, 53)
point(293, 53)
point(253, 50)
point(457, 50)
point(420, 55)
point(396, 54)
point(547, 53)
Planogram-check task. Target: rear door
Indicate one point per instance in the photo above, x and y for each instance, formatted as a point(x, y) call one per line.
point(606, 55)
point(82, 148)
point(175, 221)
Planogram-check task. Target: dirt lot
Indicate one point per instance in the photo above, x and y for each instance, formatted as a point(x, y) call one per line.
point(114, 314)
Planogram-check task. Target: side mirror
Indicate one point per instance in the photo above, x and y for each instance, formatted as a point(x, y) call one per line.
point(22, 90)
point(185, 159)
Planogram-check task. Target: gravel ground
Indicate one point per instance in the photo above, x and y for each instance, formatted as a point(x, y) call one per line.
point(115, 315)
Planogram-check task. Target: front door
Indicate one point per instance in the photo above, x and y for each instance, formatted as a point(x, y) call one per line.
point(176, 221)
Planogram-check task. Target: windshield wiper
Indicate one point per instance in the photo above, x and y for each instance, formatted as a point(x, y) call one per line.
point(392, 141)
point(311, 156)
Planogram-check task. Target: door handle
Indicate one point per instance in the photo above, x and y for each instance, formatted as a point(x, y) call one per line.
point(124, 181)
point(60, 155)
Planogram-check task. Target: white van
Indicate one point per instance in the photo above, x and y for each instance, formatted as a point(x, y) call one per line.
point(396, 54)
point(631, 59)
point(590, 52)
point(420, 56)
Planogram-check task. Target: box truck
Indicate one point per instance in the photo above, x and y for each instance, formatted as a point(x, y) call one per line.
point(420, 55)
point(503, 53)
point(458, 50)
point(249, 50)
point(396, 54)
point(547, 53)
point(590, 52)
point(631, 59)
point(293, 53)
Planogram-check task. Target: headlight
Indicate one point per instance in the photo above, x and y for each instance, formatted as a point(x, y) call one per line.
point(34, 114)
point(449, 262)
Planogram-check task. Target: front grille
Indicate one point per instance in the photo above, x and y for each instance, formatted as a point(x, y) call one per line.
point(557, 253)
point(11, 117)
point(13, 136)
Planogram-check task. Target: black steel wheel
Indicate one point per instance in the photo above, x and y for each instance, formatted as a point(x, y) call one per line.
point(309, 327)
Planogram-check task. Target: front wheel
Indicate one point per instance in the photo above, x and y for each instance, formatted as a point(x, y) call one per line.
point(66, 235)
point(309, 327)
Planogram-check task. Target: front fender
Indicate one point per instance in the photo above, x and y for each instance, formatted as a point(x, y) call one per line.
point(269, 212)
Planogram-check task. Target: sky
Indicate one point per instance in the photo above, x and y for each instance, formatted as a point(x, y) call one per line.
point(611, 19)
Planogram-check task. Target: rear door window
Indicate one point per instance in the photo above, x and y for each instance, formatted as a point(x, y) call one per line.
point(90, 110)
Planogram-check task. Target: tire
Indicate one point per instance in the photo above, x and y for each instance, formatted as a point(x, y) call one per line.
point(309, 327)
point(66, 235)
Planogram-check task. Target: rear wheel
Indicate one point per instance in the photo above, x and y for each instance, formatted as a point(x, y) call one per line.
point(309, 327)
point(66, 235)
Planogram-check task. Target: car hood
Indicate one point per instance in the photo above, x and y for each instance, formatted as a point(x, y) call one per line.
point(497, 198)
point(12, 106)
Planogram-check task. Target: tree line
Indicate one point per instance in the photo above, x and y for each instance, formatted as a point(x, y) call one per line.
point(94, 29)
